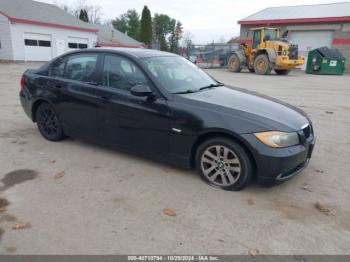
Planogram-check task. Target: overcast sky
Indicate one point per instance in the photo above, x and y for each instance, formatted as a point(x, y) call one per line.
point(208, 20)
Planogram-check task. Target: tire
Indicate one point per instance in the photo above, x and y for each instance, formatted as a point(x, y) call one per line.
point(251, 70)
point(282, 72)
point(262, 65)
point(234, 64)
point(48, 123)
point(223, 163)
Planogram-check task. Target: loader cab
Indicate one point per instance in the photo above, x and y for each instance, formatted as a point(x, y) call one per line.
point(263, 34)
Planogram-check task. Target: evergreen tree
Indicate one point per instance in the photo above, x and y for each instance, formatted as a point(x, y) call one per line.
point(133, 24)
point(121, 23)
point(163, 43)
point(128, 23)
point(83, 15)
point(164, 26)
point(146, 27)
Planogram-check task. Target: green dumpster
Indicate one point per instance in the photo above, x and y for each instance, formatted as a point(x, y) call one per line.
point(325, 61)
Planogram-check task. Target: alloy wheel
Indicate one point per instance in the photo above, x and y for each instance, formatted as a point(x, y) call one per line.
point(220, 165)
point(48, 122)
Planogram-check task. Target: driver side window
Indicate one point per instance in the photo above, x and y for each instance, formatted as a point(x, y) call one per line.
point(121, 73)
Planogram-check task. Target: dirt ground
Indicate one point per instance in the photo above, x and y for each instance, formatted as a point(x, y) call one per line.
point(108, 202)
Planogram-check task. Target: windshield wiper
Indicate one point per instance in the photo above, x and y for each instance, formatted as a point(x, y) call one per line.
point(202, 88)
point(211, 86)
point(188, 91)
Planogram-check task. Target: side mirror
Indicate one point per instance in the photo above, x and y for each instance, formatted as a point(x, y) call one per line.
point(141, 90)
point(285, 34)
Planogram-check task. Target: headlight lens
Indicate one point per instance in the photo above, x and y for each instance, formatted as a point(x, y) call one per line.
point(278, 139)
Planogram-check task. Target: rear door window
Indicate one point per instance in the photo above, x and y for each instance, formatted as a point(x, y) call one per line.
point(57, 68)
point(81, 67)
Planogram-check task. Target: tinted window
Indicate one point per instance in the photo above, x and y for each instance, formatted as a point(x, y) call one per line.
point(57, 68)
point(82, 46)
point(270, 34)
point(81, 67)
point(72, 45)
point(121, 73)
point(30, 42)
point(44, 43)
point(177, 74)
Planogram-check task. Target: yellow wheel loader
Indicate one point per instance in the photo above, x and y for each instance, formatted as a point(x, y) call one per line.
point(266, 52)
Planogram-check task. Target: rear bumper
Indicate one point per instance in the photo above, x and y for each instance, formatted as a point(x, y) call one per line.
point(282, 163)
point(26, 103)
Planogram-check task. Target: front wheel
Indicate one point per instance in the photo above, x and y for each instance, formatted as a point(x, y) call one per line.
point(234, 64)
point(223, 163)
point(48, 123)
point(262, 65)
point(282, 71)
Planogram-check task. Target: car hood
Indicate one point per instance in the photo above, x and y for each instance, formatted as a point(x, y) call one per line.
point(267, 112)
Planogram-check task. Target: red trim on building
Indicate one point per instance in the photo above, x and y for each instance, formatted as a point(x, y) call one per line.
point(245, 41)
point(118, 45)
point(295, 20)
point(39, 23)
point(337, 41)
point(32, 22)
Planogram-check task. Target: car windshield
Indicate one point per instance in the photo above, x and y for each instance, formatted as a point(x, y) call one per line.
point(178, 75)
point(270, 34)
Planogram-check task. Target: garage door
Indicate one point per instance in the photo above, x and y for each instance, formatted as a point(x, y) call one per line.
point(37, 47)
point(308, 40)
point(77, 43)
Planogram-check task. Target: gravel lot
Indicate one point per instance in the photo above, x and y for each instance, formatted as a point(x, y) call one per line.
point(110, 202)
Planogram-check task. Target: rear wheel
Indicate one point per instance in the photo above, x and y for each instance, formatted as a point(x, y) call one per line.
point(223, 163)
point(48, 123)
point(282, 71)
point(262, 65)
point(234, 64)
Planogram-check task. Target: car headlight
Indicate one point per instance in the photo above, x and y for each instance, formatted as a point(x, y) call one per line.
point(278, 139)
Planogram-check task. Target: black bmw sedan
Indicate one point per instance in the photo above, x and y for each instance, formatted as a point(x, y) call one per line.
point(163, 106)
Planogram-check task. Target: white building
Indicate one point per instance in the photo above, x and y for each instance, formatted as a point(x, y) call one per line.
point(36, 31)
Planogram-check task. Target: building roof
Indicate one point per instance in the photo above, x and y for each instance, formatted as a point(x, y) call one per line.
point(43, 14)
point(300, 14)
point(108, 36)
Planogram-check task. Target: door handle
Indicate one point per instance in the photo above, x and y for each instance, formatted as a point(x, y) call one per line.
point(105, 99)
point(92, 83)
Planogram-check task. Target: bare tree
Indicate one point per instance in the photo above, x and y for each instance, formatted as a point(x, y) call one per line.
point(187, 39)
point(94, 11)
point(222, 40)
point(95, 14)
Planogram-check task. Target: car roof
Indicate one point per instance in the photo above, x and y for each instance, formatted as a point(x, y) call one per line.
point(136, 52)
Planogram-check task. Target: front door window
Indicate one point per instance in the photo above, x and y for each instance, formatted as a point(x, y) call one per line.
point(121, 73)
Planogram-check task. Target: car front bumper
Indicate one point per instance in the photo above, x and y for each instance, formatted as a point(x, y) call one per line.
point(280, 164)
